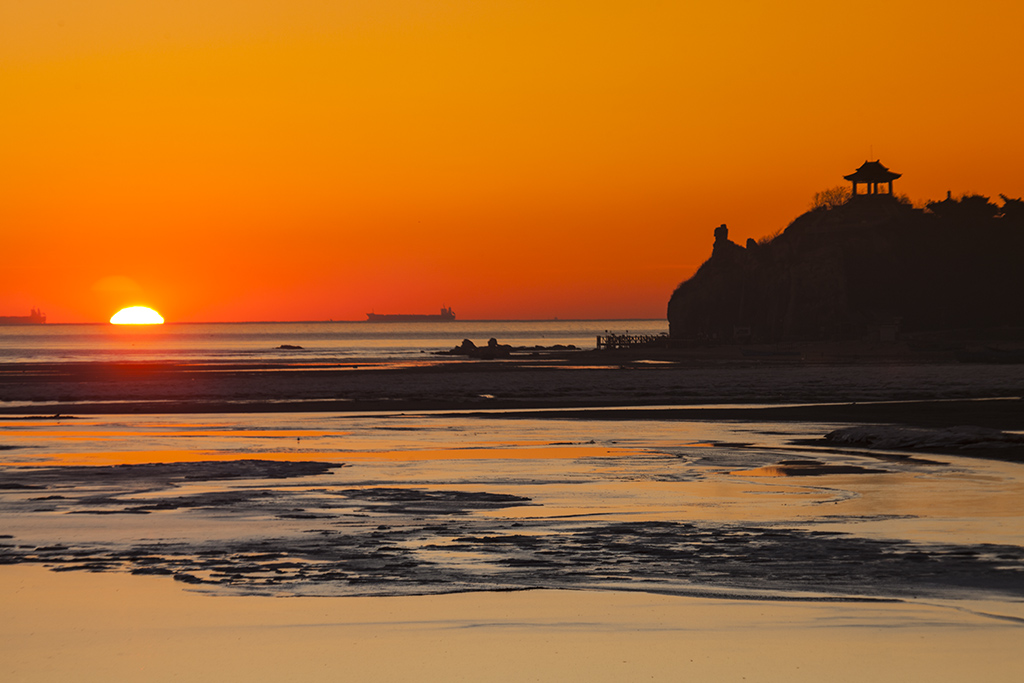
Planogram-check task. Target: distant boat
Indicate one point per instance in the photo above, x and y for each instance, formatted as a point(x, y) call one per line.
point(37, 317)
point(446, 315)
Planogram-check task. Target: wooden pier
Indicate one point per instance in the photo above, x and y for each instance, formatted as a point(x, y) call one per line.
point(631, 341)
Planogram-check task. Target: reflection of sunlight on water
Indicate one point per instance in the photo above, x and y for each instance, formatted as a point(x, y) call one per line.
point(712, 499)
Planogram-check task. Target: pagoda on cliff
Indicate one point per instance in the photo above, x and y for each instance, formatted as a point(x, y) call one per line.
point(872, 174)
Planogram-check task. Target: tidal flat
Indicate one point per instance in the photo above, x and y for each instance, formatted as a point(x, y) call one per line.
point(564, 542)
point(399, 504)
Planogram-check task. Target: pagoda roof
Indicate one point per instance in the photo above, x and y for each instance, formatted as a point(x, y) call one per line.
point(872, 172)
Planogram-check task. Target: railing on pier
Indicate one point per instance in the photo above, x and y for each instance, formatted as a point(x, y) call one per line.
point(631, 341)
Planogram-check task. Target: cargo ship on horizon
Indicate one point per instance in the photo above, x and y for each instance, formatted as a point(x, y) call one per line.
point(37, 317)
point(446, 315)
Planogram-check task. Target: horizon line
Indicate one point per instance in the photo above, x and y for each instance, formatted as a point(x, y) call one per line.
point(306, 322)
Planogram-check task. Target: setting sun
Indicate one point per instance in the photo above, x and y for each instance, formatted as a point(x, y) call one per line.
point(137, 315)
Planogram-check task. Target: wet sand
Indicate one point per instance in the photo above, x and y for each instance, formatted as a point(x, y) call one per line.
point(584, 380)
point(389, 504)
point(104, 628)
point(598, 523)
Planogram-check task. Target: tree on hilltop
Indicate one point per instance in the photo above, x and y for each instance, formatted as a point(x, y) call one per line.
point(968, 208)
point(831, 198)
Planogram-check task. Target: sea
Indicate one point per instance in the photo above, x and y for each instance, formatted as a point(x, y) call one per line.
point(275, 341)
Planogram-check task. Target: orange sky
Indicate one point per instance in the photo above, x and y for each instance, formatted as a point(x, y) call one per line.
point(225, 160)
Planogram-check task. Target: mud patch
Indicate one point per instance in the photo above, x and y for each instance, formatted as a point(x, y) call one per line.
point(403, 558)
point(962, 440)
point(287, 528)
point(805, 468)
point(168, 473)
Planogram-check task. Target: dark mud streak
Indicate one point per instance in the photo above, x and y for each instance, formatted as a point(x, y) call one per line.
point(649, 555)
point(419, 541)
point(1005, 413)
point(162, 473)
point(606, 380)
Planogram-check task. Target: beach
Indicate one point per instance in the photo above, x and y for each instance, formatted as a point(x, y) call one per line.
point(101, 627)
point(552, 519)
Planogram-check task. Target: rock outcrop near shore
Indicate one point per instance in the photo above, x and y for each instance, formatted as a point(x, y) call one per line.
point(861, 270)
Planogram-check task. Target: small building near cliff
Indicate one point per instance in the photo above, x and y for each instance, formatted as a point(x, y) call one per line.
point(872, 174)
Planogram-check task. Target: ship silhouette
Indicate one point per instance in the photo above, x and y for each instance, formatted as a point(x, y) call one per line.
point(37, 317)
point(446, 315)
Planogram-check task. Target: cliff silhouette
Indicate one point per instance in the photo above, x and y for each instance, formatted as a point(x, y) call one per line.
point(862, 267)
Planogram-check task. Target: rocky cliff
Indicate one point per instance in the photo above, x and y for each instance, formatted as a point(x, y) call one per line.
point(859, 270)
